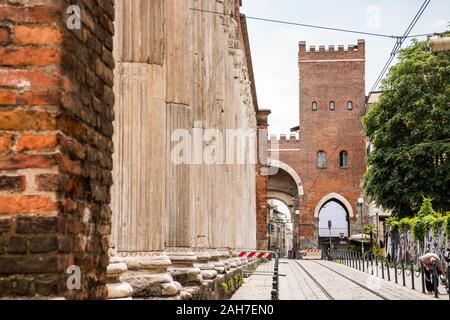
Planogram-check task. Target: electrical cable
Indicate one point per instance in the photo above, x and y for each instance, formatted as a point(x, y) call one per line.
point(315, 26)
point(398, 44)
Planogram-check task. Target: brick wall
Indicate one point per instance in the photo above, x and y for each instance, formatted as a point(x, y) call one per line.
point(56, 113)
point(328, 74)
point(340, 80)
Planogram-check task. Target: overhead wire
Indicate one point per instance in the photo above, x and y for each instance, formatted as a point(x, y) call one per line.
point(399, 42)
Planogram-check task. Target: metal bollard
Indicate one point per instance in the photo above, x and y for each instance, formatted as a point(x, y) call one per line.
point(371, 265)
point(274, 294)
point(423, 281)
point(388, 270)
point(395, 270)
point(359, 261)
point(275, 287)
point(403, 274)
point(413, 275)
point(382, 268)
point(376, 264)
point(275, 278)
point(363, 262)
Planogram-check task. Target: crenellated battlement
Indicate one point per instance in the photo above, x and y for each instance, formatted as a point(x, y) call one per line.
point(332, 52)
point(284, 141)
point(284, 137)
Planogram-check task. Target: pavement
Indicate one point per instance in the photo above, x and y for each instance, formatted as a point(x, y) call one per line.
point(325, 280)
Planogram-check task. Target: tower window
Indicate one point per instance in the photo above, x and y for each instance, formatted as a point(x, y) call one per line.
point(349, 105)
point(332, 106)
point(314, 106)
point(321, 160)
point(343, 159)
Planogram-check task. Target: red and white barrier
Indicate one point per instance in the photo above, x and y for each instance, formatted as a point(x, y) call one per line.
point(256, 255)
point(312, 251)
point(312, 254)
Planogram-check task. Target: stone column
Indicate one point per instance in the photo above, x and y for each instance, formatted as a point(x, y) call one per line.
point(179, 228)
point(138, 196)
point(204, 40)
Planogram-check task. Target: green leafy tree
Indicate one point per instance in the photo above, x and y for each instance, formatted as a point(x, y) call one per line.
point(409, 128)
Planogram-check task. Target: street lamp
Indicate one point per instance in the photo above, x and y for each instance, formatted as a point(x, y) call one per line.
point(360, 206)
point(297, 231)
point(329, 228)
point(378, 222)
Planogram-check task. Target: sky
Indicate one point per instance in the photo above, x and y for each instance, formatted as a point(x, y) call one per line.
point(275, 46)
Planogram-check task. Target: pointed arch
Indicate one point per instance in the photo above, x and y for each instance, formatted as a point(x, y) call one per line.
point(334, 196)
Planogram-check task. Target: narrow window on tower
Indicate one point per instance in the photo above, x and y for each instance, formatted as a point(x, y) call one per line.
point(349, 105)
point(332, 106)
point(344, 159)
point(314, 106)
point(321, 160)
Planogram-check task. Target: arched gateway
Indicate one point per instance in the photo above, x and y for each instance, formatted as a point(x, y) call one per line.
point(333, 213)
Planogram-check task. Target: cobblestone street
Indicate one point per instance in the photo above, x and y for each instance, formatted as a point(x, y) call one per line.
point(323, 280)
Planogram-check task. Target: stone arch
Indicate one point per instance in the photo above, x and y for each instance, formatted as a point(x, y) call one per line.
point(284, 197)
point(334, 196)
point(291, 172)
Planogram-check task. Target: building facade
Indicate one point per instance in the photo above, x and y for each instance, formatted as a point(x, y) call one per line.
point(322, 168)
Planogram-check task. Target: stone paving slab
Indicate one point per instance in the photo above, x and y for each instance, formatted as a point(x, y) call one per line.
point(389, 289)
point(318, 280)
point(257, 286)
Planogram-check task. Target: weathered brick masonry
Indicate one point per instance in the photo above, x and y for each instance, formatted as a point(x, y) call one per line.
point(332, 75)
point(56, 113)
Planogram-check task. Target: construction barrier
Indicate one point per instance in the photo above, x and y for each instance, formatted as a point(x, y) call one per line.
point(312, 254)
point(256, 255)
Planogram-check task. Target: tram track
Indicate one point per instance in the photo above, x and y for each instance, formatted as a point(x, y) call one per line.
point(317, 283)
point(352, 280)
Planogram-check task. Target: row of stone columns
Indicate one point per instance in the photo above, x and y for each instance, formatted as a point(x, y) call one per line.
point(177, 225)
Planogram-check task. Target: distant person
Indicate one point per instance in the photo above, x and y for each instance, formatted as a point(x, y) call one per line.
point(431, 263)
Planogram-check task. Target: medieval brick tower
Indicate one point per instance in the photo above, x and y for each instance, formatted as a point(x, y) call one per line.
point(332, 101)
point(327, 162)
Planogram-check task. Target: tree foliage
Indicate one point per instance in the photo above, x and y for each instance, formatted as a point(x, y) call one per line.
point(409, 128)
point(426, 219)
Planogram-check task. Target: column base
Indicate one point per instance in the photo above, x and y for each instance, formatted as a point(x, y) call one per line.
point(182, 268)
point(204, 263)
point(219, 266)
point(225, 255)
point(117, 289)
point(149, 276)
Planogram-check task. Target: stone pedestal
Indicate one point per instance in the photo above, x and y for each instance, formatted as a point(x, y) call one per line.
point(225, 255)
point(149, 276)
point(219, 266)
point(117, 289)
point(182, 268)
point(205, 264)
point(236, 258)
